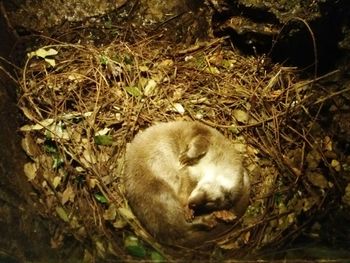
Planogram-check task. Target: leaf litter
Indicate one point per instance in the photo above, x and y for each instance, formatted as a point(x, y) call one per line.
point(85, 103)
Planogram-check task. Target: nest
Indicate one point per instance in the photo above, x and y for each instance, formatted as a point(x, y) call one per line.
point(84, 103)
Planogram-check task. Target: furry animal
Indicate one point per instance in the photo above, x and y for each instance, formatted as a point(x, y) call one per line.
point(176, 167)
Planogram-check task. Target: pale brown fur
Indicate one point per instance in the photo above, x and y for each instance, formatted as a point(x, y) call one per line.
point(158, 181)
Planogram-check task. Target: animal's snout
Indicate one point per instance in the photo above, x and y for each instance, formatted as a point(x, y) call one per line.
point(197, 198)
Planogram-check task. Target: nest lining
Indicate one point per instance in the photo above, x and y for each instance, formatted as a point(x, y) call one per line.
point(84, 103)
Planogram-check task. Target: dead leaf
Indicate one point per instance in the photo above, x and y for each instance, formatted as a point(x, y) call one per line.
point(57, 240)
point(88, 158)
point(126, 213)
point(104, 131)
point(120, 223)
point(50, 61)
point(230, 245)
point(166, 63)
point(143, 68)
point(56, 181)
point(76, 115)
point(346, 197)
point(110, 213)
point(38, 126)
point(57, 131)
point(308, 203)
point(68, 195)
point(336, 165)
point(74, 76)
point(30, 146)
point(246, 237)
point(327, 143)
point(101, 251)
point(150, 88)
point(27, 113)
point(313, 159)
point(241, 116)
point(43, 53)
point(225, 215)
point(30, 170)
point(92, 183)
point(177, 107)
point(317, 179)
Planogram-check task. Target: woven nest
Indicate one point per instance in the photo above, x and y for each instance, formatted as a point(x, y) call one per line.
point(84, 103)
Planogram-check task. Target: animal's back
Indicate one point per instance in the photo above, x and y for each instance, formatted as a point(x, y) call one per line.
point(152, 180)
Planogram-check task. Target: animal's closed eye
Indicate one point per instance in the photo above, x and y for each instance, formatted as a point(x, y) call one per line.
point(211, 204)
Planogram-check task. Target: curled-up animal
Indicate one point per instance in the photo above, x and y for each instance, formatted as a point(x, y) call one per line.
point(185, 182)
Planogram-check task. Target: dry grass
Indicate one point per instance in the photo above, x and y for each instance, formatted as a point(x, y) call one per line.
point(83, 111)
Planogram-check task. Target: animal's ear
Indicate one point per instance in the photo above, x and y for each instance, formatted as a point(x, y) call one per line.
point(195, 150)
point(197, 198)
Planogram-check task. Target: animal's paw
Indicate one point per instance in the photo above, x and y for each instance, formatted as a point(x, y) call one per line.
point(186, 160)
point(189, 214)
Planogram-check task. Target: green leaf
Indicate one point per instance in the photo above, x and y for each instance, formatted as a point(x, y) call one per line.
point(103, 60)
point(234, 129)
point(143, 68)
point(212, 70)
point(57, 161)
point(134, 247)
point(156, 257)
point(101, 198)
point(128, 59)
point(227, 64)
point(49, 148)
point(108, 24)
point(103, 139)
point(62, 214)
point(134, 91)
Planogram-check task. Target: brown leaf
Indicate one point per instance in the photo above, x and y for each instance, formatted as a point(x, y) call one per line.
point(68, 195)
point(29, 146)
point(225, 215)
point(110, 213)
point(317, 179)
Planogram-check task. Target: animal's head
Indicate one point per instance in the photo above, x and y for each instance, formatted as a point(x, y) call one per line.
point(218, 188)
point(209, 197)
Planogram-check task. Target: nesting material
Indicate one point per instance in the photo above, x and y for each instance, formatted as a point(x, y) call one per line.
point(83, 104)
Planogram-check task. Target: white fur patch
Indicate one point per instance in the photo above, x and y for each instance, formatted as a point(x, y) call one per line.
point(216, 179)
point(223, 174)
